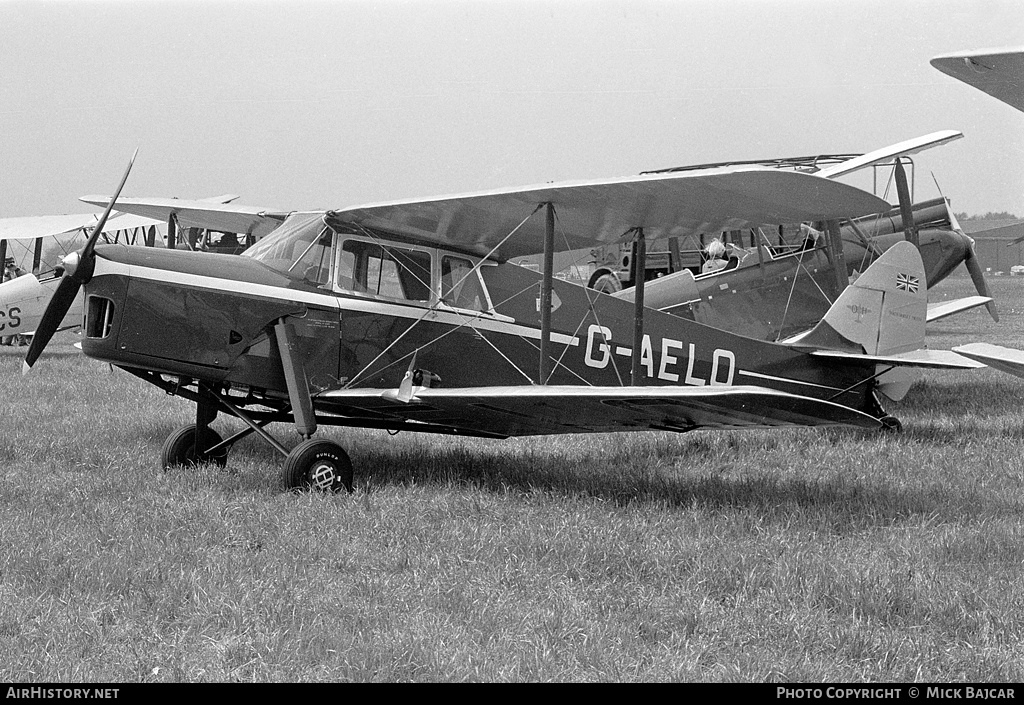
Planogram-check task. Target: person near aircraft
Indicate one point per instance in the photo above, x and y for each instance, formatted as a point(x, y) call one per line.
point(811, 236)
point(715, 253)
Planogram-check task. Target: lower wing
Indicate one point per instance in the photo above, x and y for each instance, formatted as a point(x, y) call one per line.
point(535, 410)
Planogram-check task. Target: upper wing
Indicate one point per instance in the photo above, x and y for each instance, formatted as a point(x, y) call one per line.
point(998, 72)
point(531, 410)
point(205, 213)
point(593, 213)
point(885, 154)
point(32, 227)
point(940, 309)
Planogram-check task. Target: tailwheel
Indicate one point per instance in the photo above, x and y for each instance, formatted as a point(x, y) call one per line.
point(317, 464)
point(891, 424)
point(187, 447)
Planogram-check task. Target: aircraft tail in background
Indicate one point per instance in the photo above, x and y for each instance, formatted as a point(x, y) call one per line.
point(880, 317)
point(882, 312)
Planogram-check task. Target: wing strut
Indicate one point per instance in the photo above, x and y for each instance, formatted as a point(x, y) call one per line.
point(545, 293)
point(295, 378)
point(834, 238)
point(640, 267)
point(172, 231)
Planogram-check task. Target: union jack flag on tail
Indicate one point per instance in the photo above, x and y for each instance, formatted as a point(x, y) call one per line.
point(906, 282)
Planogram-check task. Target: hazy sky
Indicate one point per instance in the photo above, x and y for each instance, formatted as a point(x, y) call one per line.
point(301, 105)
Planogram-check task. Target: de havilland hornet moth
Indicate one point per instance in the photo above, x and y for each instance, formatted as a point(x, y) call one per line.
point(409, 316)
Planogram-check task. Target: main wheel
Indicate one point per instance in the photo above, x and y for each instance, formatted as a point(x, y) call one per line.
point(185, 447)
point(607, 283)
point(317, 464)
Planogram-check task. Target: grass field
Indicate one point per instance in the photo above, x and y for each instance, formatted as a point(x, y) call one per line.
point(794, 555)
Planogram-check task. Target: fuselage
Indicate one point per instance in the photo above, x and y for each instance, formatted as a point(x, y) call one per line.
point(210, 317)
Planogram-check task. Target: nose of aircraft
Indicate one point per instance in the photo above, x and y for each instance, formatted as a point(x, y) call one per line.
point(943, 251)
point(77, 271)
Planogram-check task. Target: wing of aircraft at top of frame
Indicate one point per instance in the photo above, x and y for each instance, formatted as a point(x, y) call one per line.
point(998, 72)
point(887, 154)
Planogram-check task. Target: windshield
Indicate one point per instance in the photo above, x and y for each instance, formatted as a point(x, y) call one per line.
point(300, 247)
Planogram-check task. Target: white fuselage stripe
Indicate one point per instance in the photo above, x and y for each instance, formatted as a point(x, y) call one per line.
point(788, 380)
point(477, 322)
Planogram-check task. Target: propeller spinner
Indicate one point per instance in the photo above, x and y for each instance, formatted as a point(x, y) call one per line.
point(78, 269)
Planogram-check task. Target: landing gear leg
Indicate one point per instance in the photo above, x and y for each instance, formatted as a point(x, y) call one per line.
point(317, 464)
point(890, 424)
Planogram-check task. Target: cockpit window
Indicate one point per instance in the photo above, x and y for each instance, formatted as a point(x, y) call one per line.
point(393, 272)
point(300, 247)
point(460, 284)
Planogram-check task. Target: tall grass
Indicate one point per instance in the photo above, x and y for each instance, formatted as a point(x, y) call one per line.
point(793, 555)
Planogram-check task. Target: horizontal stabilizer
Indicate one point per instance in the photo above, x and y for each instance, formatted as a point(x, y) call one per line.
point(1007, 360)
point(935, 359)
point(941, 309)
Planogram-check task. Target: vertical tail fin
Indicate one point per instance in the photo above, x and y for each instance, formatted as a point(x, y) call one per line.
point(883, 312)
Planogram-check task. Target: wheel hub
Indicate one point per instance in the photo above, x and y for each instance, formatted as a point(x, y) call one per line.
point(322, 476)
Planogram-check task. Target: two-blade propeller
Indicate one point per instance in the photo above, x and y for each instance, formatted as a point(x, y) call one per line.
point(78, 269)
point(978, 277)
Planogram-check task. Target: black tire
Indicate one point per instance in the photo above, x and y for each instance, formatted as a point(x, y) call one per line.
point(180, 448)
point(317, 464)
point(607, 283)
point(891, 424)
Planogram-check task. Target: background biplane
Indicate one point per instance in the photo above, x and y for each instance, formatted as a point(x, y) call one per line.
point(407, 315)
point(773, 289)
point(24, 240)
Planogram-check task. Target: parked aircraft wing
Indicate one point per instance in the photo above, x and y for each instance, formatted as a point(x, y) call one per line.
point(885, 154)
point(1005, 359)
point(940, 309)
point(205, 213)
point(36, 226)
point(998, 72)
point(600, 212)
point(529, 410)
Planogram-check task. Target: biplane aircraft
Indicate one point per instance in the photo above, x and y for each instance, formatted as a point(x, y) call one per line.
point(24, 299)
point(409, 316)
point(771, 291)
